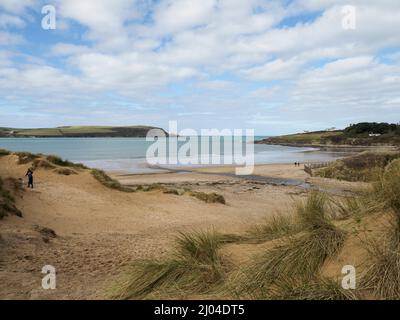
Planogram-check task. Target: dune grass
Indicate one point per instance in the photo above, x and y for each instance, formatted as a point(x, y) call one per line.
point(297, 257)
point(288, 269)
point(387, 188)
point(195, 266)
point(7, 203)
point(208, 197)
point(275, 226)
point(311, 213)
point(383, 275)
point(366, 166)
point(41, 163)
point(65, 171)
point(316, 289)
point(64, 163)
point(108, 182)
point(4, 152)
point(26, 157)
point(111, 183)
point(357, 206)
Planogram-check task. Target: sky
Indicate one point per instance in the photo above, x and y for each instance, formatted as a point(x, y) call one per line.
point(276, 66)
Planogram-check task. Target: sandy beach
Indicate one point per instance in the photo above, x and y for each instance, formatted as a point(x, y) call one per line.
point(100, 230)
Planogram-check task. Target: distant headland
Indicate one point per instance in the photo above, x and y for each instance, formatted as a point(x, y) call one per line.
point(80, 132)
point(361, 134)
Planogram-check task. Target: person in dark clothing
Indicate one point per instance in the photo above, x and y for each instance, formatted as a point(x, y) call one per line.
point(29, 174)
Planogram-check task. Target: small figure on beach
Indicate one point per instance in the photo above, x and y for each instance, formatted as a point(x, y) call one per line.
point(29, 174)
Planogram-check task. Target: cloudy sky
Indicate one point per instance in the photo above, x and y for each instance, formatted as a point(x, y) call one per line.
point(277, 66)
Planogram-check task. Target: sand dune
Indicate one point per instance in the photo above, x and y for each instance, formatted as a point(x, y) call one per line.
point(101, 230)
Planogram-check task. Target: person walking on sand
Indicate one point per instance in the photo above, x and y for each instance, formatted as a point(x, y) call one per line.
point(29, 174)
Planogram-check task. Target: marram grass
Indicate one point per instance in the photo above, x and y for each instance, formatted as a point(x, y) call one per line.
point(196, 266)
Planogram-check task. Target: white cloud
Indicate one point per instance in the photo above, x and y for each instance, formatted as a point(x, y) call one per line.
point(16, 6)
point(274, 70)
point(178, 15)
point(7, 20)
point(9, 39)
point(225, 51)
point(67, 49)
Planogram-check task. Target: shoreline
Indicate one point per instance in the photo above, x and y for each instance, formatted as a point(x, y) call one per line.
point(330, 147)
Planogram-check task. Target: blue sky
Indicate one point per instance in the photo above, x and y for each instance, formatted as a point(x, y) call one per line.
point(271, 65)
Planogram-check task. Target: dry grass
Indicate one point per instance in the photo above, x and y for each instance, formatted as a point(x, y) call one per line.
point(383, 275)
point(317, 289)
point(26, 157)
point(65, 171)
point(108, 182)
point(311, 213)
point(356, 206)
point(64, 163)
point(208, 197)
point(195, 267)
point(296, 257)
point(387, 188)
point(275, 226)
point(41, 163)
point(366, 166)
point(7, 203)
point(4, 152)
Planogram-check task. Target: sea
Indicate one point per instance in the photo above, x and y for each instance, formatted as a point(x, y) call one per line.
point(129, 154)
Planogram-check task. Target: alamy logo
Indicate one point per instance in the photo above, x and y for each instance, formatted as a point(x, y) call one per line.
point(207, 147)
point(49, 280)
point(349, 21)
point(349, 280)
point(49, 21)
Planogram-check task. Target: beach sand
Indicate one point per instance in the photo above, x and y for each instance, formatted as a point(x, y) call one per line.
point(101, 230)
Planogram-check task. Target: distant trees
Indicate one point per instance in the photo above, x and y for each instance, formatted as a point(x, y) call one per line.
point(372, 127)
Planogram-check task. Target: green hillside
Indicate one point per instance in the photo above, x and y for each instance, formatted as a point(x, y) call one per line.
point(361, 134)
point(79, 131)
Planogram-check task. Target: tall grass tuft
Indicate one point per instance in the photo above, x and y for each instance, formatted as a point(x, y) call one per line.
point(387, 188)
point(297, 257)
point(195, 267)
point(312, 212)
point(4, 152)
point(275, 226)
point(383, 275)
point(7, 203)
point(64, 163)
point(366, 166)
point(208, 197)
point(26, 157)
point(108, 182)
point(357, 206)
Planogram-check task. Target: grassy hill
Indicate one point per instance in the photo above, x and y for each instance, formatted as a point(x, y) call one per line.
point(354, 135)
point(78, 131)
